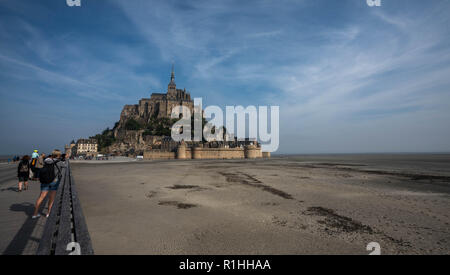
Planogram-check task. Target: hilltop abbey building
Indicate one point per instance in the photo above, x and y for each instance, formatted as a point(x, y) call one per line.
point(159, 105)
point(140, 140)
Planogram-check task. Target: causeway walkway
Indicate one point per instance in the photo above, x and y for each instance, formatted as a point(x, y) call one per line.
point(19, 234)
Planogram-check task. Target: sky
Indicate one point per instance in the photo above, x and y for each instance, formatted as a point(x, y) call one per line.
point(348, 78)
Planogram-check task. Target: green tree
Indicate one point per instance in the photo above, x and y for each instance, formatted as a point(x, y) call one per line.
point(105, 139)
point(132, 124)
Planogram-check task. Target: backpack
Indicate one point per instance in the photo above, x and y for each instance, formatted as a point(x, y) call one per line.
point(33, 162)
point(47, 173)
point(23, 167)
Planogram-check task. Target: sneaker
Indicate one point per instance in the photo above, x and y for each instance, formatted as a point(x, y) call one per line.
point(35, 217)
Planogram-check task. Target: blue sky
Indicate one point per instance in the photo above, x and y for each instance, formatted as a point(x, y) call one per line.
point(347, 77)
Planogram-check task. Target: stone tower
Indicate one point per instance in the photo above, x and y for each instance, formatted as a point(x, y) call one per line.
point(172, 87)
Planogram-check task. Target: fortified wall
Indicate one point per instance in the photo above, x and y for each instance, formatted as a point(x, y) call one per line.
point(184, 152)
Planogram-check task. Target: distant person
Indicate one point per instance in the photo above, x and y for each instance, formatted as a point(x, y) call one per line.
point(23, 172)
point(35, 154)
point(50, 177)
point(34, 158)
point(39, 165)
point(33, 168)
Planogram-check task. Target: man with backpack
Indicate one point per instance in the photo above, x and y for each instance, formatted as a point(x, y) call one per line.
point(33, 164)
point(34, 159)
point(50, 177)
point(23, 172)
point(39, 165)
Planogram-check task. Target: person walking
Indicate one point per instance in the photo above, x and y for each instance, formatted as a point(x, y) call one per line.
point(39, 166)
point(34, 158)
point(35, 154)
point(23, 172)
point(50, 177)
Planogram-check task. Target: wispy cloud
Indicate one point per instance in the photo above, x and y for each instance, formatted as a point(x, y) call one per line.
point(266, 34)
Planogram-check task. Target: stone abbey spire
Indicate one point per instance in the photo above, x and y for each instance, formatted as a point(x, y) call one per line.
point(172, 87)
point(172, 77)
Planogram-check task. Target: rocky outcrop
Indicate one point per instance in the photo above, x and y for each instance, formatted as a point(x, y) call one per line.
point(133, 142)
point(143, 125)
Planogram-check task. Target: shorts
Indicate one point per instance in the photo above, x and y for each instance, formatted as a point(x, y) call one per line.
point(53, 186)
point(37, 172)
point(23, 177)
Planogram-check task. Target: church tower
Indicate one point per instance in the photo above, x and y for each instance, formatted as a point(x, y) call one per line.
point(172, 88)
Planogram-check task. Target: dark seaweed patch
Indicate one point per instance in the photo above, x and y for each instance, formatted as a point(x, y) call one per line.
point(339, 222)
point(177, 186)
point(270, 204)
point(179, 205)
point(414, 177)
point(340, 164)
point(187, 187)
point(254, 182)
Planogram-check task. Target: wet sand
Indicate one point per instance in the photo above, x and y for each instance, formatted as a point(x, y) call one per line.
point(285, 205)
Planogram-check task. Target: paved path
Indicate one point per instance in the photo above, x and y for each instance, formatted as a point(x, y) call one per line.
point(19, 234)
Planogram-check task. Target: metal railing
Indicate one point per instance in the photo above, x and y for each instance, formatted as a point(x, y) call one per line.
point(65, 231)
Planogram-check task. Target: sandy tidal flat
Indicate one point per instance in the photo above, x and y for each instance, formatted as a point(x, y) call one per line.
point(285, 205)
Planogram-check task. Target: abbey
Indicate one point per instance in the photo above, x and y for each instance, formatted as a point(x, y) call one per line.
point(159, 105)
point(145, 129)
